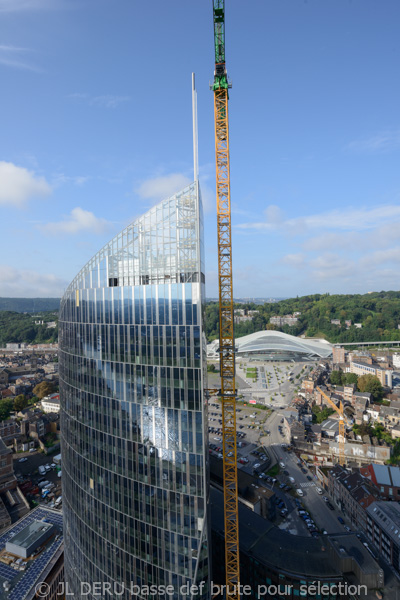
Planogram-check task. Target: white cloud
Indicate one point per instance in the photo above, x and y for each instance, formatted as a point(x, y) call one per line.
point(14, 57)
point(381, 142)
point(61, 179)
point(332, 266)
point(294, 260)
point(159, 188)
point(273, 215)
point(347, 219)
point(19, 283)
point(18, 185)
point(79, 220)
point(105, 101)
point(391, 255)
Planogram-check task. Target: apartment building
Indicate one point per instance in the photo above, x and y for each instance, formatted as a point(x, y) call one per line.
point(385, 477)
point(353, 493)
point(383, 530)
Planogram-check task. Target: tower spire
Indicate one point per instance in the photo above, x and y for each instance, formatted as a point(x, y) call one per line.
point(195, 141)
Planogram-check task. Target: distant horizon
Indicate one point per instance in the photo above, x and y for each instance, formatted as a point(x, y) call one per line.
point(236, 298)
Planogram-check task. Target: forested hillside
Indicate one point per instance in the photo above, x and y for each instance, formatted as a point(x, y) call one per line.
point(17, 327)
point(29, 305)
point(378, 312)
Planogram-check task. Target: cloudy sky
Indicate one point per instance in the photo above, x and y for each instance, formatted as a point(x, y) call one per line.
point(96, 127)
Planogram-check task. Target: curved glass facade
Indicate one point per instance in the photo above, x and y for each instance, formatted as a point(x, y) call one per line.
point(133, 414)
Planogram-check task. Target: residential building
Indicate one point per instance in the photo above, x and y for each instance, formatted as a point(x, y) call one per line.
point(330, 428)
point(362, 368)
point(386, 478)
point(383, 530)
point(389, 417)
point(345, 392)
point(338, 355)
point(8, 480)
point(285, 320)
point(9, 429)
point(353, 493)
point(133, 415)
point(396, 360)
point(51, 403)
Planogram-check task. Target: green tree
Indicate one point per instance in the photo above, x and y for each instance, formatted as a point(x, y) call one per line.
point(319, 414)
point(350, 378)
point(6, 407)
point(43, 389)
point(20, 402)
point(336, 377)
point(371, 384)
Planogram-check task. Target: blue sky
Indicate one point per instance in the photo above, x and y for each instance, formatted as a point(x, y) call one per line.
point(96, 127)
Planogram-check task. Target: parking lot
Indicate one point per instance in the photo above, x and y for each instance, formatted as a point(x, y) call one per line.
point(26, 468)
point(249, 428)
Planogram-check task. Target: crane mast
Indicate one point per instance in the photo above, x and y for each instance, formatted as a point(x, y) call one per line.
point(226, 334)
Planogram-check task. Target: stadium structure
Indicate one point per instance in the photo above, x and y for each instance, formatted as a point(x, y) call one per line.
point(275, 345)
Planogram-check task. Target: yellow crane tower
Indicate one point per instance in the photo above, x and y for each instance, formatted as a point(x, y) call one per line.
point(226, 334)
point(342, 418)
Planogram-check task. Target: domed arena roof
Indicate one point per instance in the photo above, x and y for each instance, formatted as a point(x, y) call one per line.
point(275, 342)
point(275, 345)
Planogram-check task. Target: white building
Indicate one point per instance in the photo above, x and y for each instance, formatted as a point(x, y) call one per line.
point(51, 403)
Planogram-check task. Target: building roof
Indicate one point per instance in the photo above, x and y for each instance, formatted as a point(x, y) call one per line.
point(275, 341)
point(272, 546)
point(22, 583)
point(300, 555)
point(383, 474)
point(387, 515)
point(51, 400)
point(330, 425)
point(30, 533)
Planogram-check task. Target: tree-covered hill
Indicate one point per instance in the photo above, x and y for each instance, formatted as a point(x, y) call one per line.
point(16, 327)
point(378, 313)
point(29, 305)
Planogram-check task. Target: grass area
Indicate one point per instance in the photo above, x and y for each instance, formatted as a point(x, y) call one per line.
point(274, 471)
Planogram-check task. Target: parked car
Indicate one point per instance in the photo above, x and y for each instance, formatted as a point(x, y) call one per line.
point(340, 520)
point(24, 459)
point(43, 484)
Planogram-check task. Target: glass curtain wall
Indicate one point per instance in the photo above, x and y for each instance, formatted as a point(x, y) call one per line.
point(133, 412)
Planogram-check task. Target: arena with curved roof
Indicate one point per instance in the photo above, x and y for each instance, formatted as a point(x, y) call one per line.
point(275, 345)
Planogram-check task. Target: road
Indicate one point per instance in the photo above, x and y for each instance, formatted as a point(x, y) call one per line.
point(325, 518)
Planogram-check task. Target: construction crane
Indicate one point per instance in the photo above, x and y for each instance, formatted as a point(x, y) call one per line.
point(226, 334)
point(342, 418)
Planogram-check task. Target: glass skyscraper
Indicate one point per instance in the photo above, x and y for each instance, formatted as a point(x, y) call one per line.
point(133, 413)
